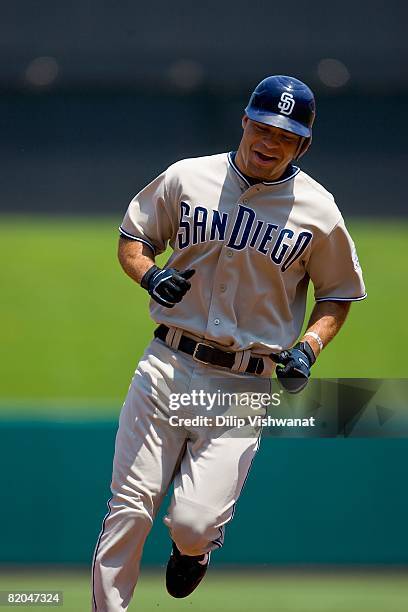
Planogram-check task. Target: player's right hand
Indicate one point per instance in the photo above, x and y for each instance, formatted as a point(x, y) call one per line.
point(168, 286)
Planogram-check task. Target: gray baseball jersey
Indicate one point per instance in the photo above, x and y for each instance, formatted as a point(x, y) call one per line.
point(254, 248)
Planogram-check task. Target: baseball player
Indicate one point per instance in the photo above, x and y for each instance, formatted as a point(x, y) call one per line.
point(248, 231)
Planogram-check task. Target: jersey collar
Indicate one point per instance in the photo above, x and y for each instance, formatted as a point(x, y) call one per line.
point(295, 171)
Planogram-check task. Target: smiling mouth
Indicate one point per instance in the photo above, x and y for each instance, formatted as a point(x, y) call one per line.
point(263, 157)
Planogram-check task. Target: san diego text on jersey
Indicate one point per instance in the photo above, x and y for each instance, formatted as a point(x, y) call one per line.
point(281, 244)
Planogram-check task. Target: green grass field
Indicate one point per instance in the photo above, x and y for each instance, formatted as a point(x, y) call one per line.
point(73, 329)
point(74, 326)
point(239, 592)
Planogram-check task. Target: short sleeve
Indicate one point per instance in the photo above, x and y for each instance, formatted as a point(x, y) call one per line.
point(334, 268)
point(150, 217)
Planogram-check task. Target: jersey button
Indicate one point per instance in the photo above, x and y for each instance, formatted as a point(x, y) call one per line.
point(245, 201)
point(223, 287)
point(216, 321)
point(229, 253)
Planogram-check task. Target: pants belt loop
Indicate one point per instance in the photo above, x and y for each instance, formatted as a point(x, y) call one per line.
point(241, 361)
point(269, 366)
point(173, 337)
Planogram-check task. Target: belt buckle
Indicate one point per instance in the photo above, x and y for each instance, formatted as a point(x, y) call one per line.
point(197, 348)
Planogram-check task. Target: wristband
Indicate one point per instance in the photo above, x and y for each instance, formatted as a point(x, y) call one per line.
point(307, 350)
point(317, 338)
point(147, 276)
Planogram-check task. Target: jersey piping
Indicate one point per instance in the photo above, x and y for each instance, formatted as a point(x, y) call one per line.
point(296, 170)
point(136, 238)
point(341, 299)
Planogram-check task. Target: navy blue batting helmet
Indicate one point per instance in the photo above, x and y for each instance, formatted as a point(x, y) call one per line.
point(286, 103)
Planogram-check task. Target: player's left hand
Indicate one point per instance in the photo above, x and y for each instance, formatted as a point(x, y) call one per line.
point(294, 365)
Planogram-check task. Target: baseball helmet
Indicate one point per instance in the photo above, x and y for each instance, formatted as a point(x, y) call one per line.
point(286, 103)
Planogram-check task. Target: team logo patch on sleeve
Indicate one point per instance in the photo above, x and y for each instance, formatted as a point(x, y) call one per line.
point(354, 256)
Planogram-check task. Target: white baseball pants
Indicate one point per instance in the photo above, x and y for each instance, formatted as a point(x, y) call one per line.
point(208, 472)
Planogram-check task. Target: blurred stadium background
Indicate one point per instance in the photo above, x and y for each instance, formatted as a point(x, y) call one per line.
point(95, 100)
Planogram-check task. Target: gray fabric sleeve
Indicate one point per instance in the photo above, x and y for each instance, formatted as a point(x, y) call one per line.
point(150, 217)
point(334, 268)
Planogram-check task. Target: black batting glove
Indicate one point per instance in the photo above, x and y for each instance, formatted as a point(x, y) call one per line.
point(168, 286)
point(294, 366)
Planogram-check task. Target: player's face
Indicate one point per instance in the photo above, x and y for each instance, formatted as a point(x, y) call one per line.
point(265, 151)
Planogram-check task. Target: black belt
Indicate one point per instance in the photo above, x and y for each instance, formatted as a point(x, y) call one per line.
point(210, 355)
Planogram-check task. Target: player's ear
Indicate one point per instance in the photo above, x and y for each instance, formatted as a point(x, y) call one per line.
point(244, 121)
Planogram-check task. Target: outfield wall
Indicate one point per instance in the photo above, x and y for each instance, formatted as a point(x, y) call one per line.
point(90, 153)
point(321, 501)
